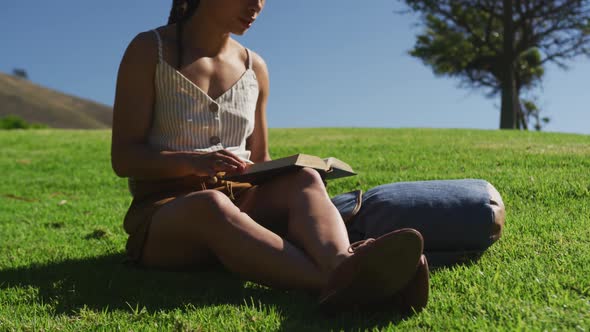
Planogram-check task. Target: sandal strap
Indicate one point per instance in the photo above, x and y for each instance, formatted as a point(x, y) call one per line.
point(359, 244)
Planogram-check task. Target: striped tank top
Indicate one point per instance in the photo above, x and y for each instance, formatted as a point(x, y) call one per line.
point(186, 118)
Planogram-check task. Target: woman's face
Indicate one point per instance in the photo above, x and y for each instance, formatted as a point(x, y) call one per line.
point(235, 16)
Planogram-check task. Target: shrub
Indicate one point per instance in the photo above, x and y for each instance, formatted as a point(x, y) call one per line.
point(15, 122)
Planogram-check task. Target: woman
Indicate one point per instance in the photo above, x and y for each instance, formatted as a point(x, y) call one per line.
point(191, 103)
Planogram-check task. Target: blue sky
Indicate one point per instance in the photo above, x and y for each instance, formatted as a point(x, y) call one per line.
point(332, 63)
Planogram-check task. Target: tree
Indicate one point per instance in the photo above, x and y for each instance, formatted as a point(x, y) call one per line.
point(501, 46)
point(18, 72)
point(530, 111)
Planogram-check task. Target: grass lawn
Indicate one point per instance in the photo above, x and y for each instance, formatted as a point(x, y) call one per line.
point(61, 237)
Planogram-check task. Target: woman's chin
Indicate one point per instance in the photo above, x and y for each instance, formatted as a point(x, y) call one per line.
point(241, 29)
point(240, 32)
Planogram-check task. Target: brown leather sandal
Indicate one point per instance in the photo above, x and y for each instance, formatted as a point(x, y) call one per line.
point(414, 296)
point(377, 270)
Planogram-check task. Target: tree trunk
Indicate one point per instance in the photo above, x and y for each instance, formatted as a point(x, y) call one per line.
point(522, 120)
point(508, 116)
point(509, 92)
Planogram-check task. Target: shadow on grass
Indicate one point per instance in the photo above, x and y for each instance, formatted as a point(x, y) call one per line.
point(442, 259)
point(106, 284)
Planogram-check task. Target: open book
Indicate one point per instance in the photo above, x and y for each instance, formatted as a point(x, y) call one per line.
point(329, 168)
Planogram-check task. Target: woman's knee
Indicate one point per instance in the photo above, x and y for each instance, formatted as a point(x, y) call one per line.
point(201, 209)
point(308, 177)
point(211, 202)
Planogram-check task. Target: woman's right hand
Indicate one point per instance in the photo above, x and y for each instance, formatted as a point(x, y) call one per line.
point(211, 163)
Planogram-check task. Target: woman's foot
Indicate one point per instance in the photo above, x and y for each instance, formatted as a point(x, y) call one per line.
point(376, 271)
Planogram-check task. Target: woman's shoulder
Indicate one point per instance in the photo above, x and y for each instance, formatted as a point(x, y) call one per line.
point(260, 70)
point(149, 38)
point(258, 64)
point(143, 48)
point(145, 42)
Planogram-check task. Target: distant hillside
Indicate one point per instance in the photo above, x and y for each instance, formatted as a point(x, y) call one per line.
point(35, 103)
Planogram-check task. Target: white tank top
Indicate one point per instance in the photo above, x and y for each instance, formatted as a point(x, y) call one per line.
point(185, 118)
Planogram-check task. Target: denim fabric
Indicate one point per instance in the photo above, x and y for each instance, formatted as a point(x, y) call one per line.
point(452, 215)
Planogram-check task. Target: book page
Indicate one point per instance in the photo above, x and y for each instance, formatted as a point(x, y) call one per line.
point(337, 163)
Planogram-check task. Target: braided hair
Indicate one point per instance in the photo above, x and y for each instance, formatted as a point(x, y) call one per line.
point(181, 11)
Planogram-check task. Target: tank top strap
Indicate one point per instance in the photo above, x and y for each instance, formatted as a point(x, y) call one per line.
point(159, 45)
point(249, 58)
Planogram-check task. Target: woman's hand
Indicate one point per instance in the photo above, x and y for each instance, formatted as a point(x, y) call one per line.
point(211, 163)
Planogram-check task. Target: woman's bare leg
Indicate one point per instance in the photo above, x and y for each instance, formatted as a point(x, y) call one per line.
point(194, 227)
point(313, 222)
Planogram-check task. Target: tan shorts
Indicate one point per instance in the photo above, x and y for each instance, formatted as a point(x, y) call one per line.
point(145, 203)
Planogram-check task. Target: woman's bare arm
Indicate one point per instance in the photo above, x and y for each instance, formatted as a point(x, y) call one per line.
point(257, 143)
point(131, 156)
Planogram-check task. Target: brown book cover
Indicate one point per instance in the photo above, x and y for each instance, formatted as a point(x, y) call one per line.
point(329, 168)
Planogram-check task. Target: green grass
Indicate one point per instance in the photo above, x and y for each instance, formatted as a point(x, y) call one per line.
point(61, 237)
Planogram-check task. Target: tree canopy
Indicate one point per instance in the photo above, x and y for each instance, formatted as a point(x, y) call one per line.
point(501, 46)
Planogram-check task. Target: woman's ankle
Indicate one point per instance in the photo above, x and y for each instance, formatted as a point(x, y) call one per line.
point(338, 259)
